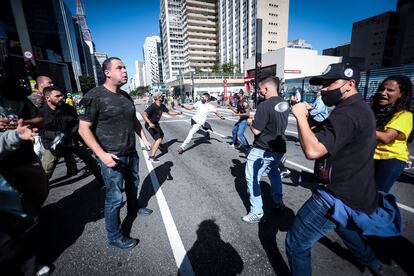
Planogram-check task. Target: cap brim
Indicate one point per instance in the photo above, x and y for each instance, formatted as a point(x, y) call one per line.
point(317, 80)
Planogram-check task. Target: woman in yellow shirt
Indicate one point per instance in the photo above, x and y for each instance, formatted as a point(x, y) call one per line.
point(391, 105)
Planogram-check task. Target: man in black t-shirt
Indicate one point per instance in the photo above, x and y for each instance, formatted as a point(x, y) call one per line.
point(152, 116)
point(108, 124)
point(269, 146)
point(343, 148)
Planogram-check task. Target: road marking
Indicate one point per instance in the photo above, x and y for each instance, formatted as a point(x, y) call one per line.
point(402, 206)
point(166, 115)
point(179, 252)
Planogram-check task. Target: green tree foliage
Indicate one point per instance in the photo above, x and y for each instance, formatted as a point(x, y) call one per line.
point(86, 83)
point(139, 91)
point(228, 68)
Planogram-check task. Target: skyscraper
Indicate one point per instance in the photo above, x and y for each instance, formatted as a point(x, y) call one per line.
point(151, 60)
point(200, 34)
point(237, 23)
point(173, 38)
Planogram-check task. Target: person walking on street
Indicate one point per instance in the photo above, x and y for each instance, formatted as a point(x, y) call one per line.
point(343, 148)
point(268, 148)
point(394, 120)
point(204, 107)
point(152, 116)
point(243, 111)
point(108, 124)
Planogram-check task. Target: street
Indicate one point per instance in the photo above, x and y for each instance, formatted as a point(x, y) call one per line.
point(198, 200)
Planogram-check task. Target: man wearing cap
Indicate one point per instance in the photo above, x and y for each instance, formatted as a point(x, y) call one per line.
point(152, 116)
point(343, 148)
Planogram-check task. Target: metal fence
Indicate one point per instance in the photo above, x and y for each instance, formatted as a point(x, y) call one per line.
point(368, 85)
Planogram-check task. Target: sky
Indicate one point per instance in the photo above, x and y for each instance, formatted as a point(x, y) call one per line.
point(119, 27)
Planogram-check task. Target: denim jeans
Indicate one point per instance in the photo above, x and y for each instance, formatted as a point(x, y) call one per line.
point(257, 161)
point(310, 224)
point(387, 172)
point(126, 169)
point(238, 132)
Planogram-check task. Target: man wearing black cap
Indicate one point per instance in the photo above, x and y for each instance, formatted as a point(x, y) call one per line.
point(343, 148)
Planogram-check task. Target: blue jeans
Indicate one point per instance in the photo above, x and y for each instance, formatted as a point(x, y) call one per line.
point(238, 132)
point(310, 224)
point(387, 172)
point(126, 169)
point(257, 161)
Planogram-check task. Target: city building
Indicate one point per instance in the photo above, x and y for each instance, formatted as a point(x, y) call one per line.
point(200, 35)
point(172, 38)
point(100, 57)
point(290, 63)
point(237, 25)
point(139, 77)
point(339, 51)
point(299, 44)
point(47, 33)
point(151, 49)
point(80, 18)
point(386, 39)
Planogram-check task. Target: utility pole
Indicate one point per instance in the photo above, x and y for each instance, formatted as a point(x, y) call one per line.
point(192, 85)
point(258, 68)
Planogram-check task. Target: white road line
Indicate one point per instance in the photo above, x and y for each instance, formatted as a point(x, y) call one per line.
point(293, 132)
point(179, 252)
point(402, 206)
point(166, 115)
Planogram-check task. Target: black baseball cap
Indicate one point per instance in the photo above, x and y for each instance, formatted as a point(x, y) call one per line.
point(335, 71)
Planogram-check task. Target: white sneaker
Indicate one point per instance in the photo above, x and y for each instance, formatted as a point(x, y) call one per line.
point(252, 218)
point(43, 271)
point(231, 146)
point(285, 173)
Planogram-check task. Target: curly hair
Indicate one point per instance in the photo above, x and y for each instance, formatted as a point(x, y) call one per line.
point(403, 103)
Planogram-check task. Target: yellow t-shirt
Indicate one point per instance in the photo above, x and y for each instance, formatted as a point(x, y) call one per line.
point(403, 123)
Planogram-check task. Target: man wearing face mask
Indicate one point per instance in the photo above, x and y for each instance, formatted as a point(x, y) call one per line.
point(152, 116)
point(343, 148)
point(204, 107)
point(269, 146)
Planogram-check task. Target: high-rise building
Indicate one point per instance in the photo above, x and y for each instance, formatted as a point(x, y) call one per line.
point(172, 38)
point(139, 77)
point(99, 59)
point(386, 39)
point(200, 34)
point(299, 44)
point(87, 37)
point(237, 24)
point(152, 48)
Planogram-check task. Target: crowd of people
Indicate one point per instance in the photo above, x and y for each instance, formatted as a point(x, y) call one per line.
point(359, 152)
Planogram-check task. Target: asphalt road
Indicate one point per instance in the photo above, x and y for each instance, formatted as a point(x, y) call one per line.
point(198, 200)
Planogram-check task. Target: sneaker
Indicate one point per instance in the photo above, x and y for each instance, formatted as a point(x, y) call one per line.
point(252, 218)
point(208, 136)
point(123, 243)
point(154, 160)
point(43, 271)
point(285, 173)
point(231, 146)
point(180, 150)
point(145, 211)
point(278, 207)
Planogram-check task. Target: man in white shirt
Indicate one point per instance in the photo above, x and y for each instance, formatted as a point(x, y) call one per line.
point(204, 107)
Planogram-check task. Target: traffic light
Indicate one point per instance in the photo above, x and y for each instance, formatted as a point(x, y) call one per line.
point(30, 70)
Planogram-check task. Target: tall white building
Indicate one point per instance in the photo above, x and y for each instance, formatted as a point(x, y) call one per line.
point(237, 24)
point(139, 77)
point(200, 34)
point(152, 45)
point(172, 38)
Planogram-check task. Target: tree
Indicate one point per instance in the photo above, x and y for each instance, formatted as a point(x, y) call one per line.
point(198, 71)
point(140, 90)
point(86, 83)
point(228, 68)
point(216, 68)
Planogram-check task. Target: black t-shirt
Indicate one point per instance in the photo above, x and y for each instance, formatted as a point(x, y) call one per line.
point(154, 112)
point(272, 125)
point(113, 116)
point(23, 108)
point(349, 136)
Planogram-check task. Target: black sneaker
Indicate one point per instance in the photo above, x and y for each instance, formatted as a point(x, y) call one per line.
point(208, 136)
point(278, 207)
point(123, 243)
point(180, 150)
point(154, 160)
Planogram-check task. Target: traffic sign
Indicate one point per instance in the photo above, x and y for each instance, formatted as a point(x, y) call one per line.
point(28, 54)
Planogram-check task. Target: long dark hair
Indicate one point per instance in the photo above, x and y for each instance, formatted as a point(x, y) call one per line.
point(383, 114)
